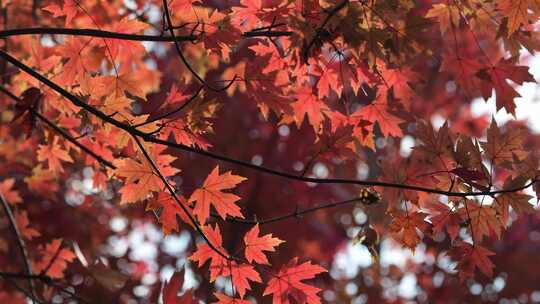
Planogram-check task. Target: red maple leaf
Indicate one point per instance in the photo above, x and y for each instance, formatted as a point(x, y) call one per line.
point(211, 194)
point(471, 257)
point(172, 287)
point(255, 245)
point(288, 283)
point(495, 77)
point(378, 112)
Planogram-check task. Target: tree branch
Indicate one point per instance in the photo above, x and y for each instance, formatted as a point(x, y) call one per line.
point(294, 214)
point(20, 244)
point(149, 138)
point(64, 134)
point(319, 30)
point(92, 33)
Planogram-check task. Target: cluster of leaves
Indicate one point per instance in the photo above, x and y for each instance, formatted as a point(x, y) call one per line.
point(133, 90)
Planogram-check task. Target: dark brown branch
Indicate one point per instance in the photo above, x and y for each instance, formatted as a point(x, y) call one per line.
point(294, 214)
point(43, 278)
point(320, 29)
point(18, 275)
point(172, 112)
point(64, 134)
point(92, 33)
point(149, 138)
point(255, 33)
point(20, 243)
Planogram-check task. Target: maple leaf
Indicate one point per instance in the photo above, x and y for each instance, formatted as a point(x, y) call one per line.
point(140, 178)
point(471, 257)
point(11, 196)
point(288, 283)
point(495, 78)
point(183, 135)
point(54, 155)
point(518, 201)
point(443, 218)
point(406, 227)
point(434, 143)
point(41, 181)
point(218, 264)
point(172, 287)
point(54, 259)
point(175, 96)
point(255, 245)
point(240, 275)
point(29, 100)
point(80, 60)
point(21, 217)
point(377, 112)
point(502, 147)
point(517, 12)
point(308, 105)
point(170, 210)
point(69, 9)
point(446, 15)
point(483, 220)
point(125, 51)
point(211, 194)
point(224, 299)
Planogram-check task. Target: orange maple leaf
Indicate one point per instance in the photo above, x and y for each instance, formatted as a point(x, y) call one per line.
point(12, 196)
point(211, 194)
point(23, 224)
point(406, 227)
point(446, 15)
point(224, 299)
point(288, 283)
point(54, 259)
point(204, 252)
point(483, 220)
point(255, 245)
point(140, 178)
point(53, 154)
point(69, 9)
point(517, 12)
point(241, 274)
point(170, 209)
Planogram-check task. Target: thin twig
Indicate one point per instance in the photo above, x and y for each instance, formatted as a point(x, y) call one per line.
point(319, 30)
point(20, 243)
point(92, 33)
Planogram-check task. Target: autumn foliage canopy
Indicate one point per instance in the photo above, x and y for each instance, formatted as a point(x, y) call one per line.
point(267, 151)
